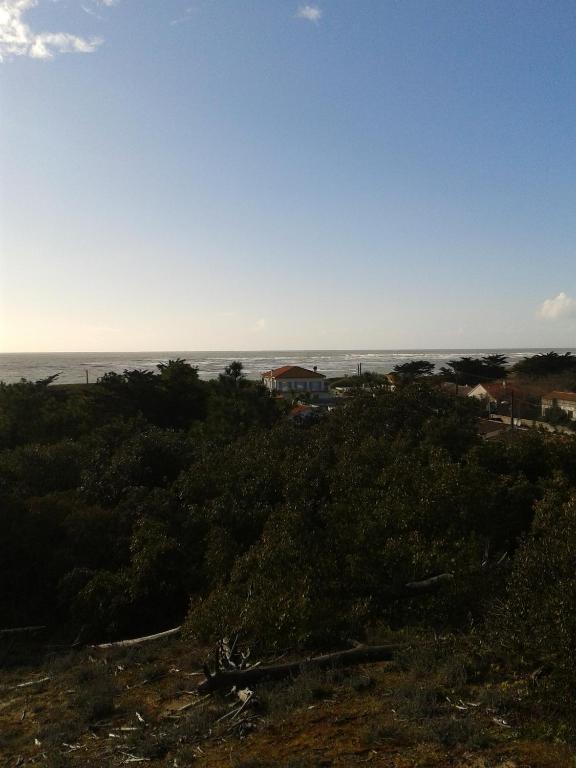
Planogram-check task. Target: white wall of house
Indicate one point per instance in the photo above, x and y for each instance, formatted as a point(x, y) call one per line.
point(298, 385)
point(479, 393)
point(568, 406)
point(295, 385)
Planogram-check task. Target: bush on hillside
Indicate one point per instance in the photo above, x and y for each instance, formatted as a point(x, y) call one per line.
point(537, 622)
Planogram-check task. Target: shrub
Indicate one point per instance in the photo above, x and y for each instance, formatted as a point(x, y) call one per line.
point(537, 621)
point(94, 700)
point(308, 687)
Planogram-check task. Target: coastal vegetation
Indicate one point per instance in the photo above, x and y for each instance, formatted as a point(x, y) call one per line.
point(470, 370)
point(153, 499)
point(414, 369)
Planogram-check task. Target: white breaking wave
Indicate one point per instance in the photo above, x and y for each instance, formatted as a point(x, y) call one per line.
point(72, 367)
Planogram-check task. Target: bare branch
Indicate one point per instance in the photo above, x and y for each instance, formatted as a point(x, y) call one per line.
point(138, 640)
point(20, 630)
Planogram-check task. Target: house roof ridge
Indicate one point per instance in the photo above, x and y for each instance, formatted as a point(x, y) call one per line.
point(292, 372)
point(559, 394)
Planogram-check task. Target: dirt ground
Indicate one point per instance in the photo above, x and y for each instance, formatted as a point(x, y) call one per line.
point(125, 707)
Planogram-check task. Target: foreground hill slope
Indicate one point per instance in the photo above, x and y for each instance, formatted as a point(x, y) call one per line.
point(439, 704)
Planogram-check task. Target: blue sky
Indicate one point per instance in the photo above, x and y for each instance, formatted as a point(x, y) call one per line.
point(260, 174)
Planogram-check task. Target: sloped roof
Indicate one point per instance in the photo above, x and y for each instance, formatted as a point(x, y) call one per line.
point(497, 390)
point(292, 372)
point(557, 395)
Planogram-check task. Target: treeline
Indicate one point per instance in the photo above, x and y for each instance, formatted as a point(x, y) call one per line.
point(469, 370)
point(130, 504)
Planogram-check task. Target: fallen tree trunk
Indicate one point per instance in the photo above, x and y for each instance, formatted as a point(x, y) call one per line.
point(137, 640)
point(242, 678)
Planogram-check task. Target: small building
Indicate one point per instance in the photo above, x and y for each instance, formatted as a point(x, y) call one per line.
point(293, 378)
point(492, 393)
point(501, 397)
point(565, 401)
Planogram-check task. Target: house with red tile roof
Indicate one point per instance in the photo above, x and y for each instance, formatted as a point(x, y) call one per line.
point(566, 401)
point(293, 378)
point(493, 391)
point(501, 396)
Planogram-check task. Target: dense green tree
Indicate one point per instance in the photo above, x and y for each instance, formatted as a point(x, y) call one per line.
point(546, 364)
point(474, 370)
point(166, 490)
point(183, 397)
point(495, 366)
point(37, 469)
point(172, 398)
point(536, 623)
point(151, 458)
point(233, 373)
point(414, 369)
point(36, 412)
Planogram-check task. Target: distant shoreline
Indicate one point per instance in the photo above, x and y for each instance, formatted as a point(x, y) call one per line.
point(73, 368)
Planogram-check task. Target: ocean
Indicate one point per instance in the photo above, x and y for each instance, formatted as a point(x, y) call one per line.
point(74, 367)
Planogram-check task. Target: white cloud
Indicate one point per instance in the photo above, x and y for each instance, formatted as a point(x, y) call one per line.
point(260, 324)
point(17, 39)
point(92, 10)
point(309, 12)
point(187, 16)
point(559, 307)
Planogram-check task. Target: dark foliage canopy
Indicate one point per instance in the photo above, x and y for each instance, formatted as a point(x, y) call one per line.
point(414, 369)
point(475, 370)
point(546, 364)
point(150, 496)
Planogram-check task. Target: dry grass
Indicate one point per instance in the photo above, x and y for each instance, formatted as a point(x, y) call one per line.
point(99, 711)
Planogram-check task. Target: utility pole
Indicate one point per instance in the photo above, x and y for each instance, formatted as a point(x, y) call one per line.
point(86, 375)
point(511, 408)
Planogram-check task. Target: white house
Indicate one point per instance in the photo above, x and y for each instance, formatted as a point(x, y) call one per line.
point(498, 393)
point(504, 397)
point(492, 393)
point(566, 401)
point(293, 378)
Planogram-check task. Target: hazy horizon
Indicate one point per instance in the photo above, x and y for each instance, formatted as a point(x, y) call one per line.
point(169, 350)
point(77, 367)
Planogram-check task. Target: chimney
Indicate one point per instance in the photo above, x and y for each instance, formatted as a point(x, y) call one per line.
point(315, 368)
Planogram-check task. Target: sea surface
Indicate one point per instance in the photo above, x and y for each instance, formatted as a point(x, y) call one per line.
point(75, 367)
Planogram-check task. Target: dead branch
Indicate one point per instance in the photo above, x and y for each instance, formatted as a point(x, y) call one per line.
point(428, 585)
point(194, 703)
point(20, 630)
point(148, 680)
point(30, 683)
point(243, 678)
point(138, 640)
